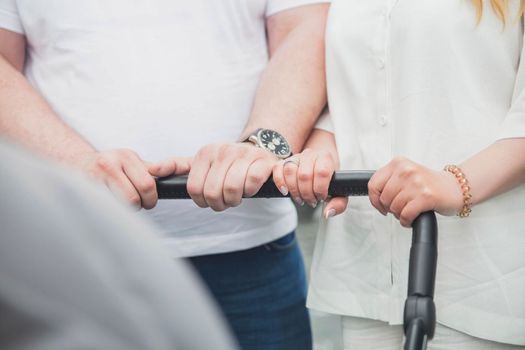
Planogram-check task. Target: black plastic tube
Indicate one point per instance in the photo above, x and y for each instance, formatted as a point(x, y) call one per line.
point(343, 184)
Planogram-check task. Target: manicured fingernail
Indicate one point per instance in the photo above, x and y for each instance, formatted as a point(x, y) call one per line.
point(330, 213)
point(283, 190)
point(313, 204)
point(299, 201)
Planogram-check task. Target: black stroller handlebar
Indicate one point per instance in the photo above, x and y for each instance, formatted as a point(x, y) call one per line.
point(343, 184)
point(420, 312)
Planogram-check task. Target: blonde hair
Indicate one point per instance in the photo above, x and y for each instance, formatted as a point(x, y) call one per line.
point(500, 8)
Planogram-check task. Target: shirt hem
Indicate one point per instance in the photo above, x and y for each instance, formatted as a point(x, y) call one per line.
point(480, 324)
point(462, 318)
point(385, 308)
point(272, 10)
point(216, 244)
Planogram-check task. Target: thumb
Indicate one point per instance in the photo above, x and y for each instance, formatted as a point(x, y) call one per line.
point(335, 206)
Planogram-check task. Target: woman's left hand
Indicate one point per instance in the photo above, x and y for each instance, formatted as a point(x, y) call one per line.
point(407, 189)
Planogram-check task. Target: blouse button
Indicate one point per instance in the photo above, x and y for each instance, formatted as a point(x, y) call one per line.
point(381, 63)
point(382, 120)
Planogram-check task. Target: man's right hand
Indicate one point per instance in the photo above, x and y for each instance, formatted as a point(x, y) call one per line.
point(222, 173)
point(125, 173)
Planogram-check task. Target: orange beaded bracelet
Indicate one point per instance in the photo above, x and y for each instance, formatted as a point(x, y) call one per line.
point(465, 188)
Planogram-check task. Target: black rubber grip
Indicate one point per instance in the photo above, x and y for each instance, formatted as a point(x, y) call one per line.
point(343, 184)
point(423, 255)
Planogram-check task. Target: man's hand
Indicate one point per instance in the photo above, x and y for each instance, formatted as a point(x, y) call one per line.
point(222, 173)
point(124, 173)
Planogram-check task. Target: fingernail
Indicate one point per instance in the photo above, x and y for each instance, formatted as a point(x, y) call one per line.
point(283, 190)
point(313, 204)
point(330, 213)
point(299, 201)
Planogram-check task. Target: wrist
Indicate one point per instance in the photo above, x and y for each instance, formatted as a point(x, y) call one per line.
point(464, 199)
point(250, 145)
point(454, 196)
point(82, 160)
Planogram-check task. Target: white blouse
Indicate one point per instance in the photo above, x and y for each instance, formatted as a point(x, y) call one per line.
point(419, 78)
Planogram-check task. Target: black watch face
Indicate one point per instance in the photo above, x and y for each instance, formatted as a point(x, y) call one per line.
point(274, 142)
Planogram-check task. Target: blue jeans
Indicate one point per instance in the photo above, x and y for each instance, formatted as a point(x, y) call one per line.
point(262, 292)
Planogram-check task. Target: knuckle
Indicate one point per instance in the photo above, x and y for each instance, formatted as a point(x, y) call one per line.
point(408, 170)
point(223, 153)
point(201, 204)
point(193, 189)
point(147, 185)
point(134, 199)
point(206, 151)
point(213, 196)
point(372, 189)
point(238, 150)
point(127, 153)
point(404, 218)
point(202, 153)
point(399, 160)
point(149, 204)
point(250, 190)
point(323, 172)
point(396, 207)
point(254, 178)
point(304, 176)
point(419, 182)
point(427, 193)
point(326, 156)
point(394, 212)
point(217, 207)
point(231, 188)
point(234, 202)
point(288, 171)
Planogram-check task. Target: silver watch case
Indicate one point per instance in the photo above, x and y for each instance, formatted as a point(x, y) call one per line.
point(271, 141)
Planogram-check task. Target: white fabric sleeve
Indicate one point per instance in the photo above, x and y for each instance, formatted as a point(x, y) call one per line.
point(9, 18)
point(325, 121)
point(513, 125)
point(274, 6)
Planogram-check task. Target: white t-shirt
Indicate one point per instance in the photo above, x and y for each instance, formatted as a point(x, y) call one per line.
point(422, 79)
point(163, 78)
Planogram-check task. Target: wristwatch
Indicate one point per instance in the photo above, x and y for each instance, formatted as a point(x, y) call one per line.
point(271, 141)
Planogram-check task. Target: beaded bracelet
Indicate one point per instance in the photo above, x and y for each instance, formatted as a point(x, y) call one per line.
point(465, 188)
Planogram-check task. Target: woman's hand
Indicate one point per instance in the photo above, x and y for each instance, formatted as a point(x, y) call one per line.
point(306, 176)
point(407, 189)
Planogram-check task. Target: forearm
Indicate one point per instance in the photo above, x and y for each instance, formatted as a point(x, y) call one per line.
point(27, 118)
point(497, 169)
point(292, 90)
